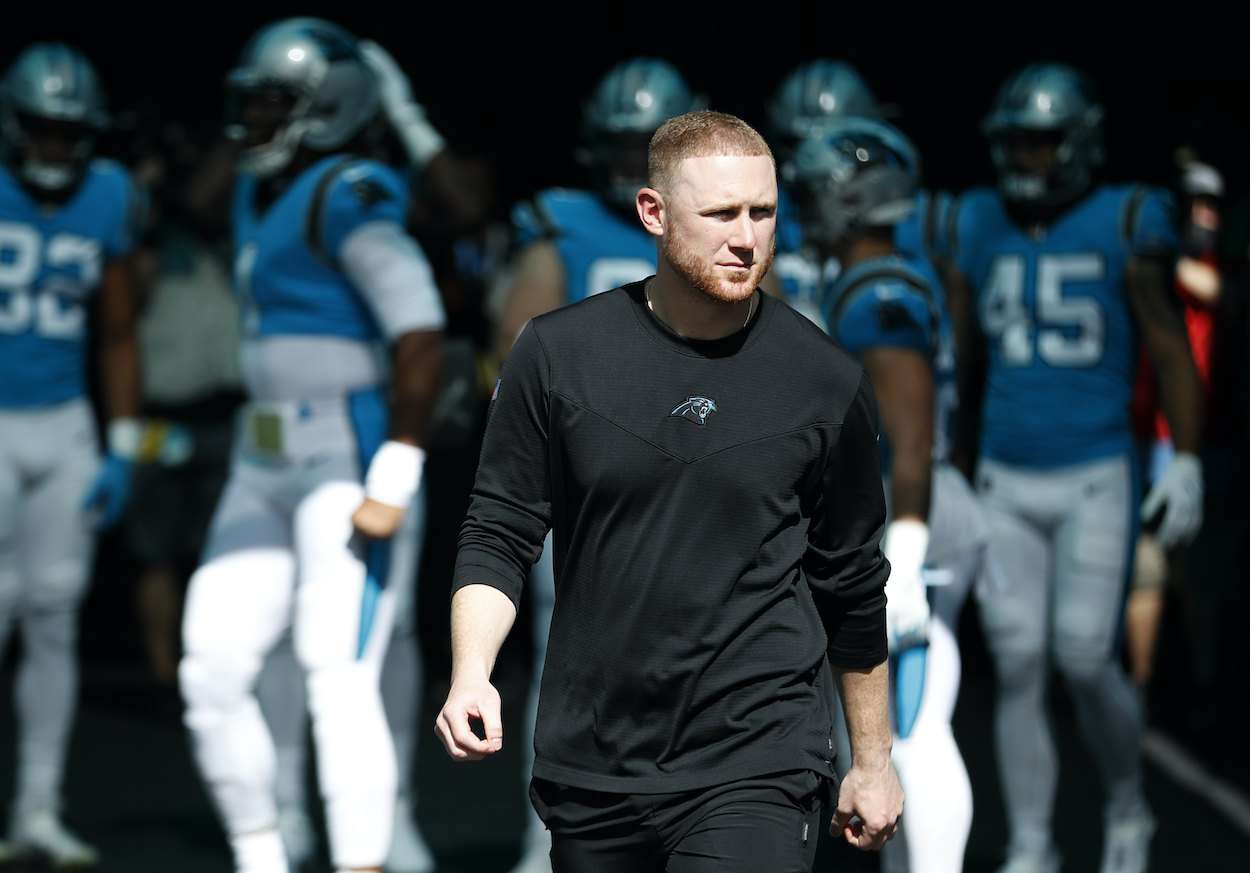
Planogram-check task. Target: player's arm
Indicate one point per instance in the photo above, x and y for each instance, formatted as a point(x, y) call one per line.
point(870, 792)
point(118, 343)
point(970, 358)
point(481, 617)
point(538, 286)
point(119, 340)
point(1161, 325)
point(462, 198)
point(416, 365)
point(1160, 322)
point(903, 382)
point(390, 271)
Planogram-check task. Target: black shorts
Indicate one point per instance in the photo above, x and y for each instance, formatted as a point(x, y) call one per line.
point(767, 824)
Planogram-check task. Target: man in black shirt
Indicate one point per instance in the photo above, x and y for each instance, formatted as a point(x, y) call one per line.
point(717, 548)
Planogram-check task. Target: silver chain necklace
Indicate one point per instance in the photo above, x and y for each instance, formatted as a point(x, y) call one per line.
point(646, 293)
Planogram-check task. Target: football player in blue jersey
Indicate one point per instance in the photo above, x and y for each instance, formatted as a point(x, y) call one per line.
point(856, 183)
point(68, 223)
point(434, 169)
point(812, 98)
point(574, 244)
point(1061, 277)
point(323, 499)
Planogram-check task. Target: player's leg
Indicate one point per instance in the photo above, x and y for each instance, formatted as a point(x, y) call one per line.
point(402, 684)
point(1015, 615)
point(11, 476)
point(1091, 579)
point(929, 764)
point(284, 703)
point(933, 835)
point(238, 604)
point(56, 548)
point(536, 846)
point(342, 627)
point(10, 558)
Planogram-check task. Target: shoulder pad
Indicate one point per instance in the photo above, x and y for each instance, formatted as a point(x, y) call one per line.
point(315, 220)
point(532, 221)
point(134, 199)
point(364, 184)
point(881, 277)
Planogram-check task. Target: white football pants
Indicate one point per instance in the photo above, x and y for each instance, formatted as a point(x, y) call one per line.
point(282, 551)
point(935, 826)
point(280, 688)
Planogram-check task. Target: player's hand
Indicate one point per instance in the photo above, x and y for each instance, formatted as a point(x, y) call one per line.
point(870, 802)
point(470, 700)
point(407, 117)
point(393, 84)
point(1177, 497)
point(907, 599)
point(906, 611)
point(376, 519)
point(107, 498)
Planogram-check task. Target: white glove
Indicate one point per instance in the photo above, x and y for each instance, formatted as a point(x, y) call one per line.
point(421, 141)
point(1178, 495)
point(907, 604)
point(394, 474)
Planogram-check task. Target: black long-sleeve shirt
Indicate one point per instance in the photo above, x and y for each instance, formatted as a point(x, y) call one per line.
point(717, 513)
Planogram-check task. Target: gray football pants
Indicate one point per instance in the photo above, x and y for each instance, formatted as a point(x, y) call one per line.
point(1063, 537)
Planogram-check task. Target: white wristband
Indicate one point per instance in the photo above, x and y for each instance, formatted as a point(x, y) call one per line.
point(421, 141)
point(394, 474)
point(905, 546)
point(125, 438)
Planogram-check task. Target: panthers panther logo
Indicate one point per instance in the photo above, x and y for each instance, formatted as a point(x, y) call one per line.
point(695, 409)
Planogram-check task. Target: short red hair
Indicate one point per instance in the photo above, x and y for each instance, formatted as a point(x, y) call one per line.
point(700, 134)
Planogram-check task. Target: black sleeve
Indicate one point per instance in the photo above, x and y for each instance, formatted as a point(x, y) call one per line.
point(844, 564)
point(510, 507)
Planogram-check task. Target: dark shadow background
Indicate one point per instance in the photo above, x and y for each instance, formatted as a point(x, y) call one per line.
point(508, 79)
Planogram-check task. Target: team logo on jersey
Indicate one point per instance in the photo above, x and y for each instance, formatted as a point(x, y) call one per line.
point(695, 409)
point(893, 315)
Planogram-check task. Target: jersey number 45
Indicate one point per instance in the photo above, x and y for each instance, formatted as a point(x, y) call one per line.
point(1063, 329)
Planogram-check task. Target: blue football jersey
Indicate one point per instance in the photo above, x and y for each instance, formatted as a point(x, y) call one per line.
point(600, 249)
point(897, 301)
point(1052, 307)
point(797, 267)
point(51, 263)
point(286, 271)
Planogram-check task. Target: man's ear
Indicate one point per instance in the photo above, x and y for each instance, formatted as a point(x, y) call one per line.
point(650, 205)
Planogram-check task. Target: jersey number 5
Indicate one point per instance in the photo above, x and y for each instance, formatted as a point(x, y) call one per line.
point(1064, 330)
